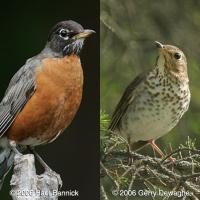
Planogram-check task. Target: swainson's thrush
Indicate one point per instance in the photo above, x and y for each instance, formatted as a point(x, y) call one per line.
point(154, 103)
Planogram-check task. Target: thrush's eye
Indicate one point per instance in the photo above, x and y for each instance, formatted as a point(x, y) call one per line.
point(177, 56)
point(64, 33)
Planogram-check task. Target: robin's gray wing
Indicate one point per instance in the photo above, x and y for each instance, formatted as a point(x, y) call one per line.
point(124, 102)
point(19, 91)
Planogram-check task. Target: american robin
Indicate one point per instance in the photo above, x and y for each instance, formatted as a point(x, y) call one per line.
point(154, 102)
point(44, 95)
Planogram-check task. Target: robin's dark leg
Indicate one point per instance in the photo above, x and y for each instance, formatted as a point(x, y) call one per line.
point(46, 167)
point(40, 160)
point(13, 146)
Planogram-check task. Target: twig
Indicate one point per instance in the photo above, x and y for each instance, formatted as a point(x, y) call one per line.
point(108, 174)
point(179, 150)
point(156, 170)
point(103, 192)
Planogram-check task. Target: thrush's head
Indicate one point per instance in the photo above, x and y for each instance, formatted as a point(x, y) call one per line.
point(67, 37)
point(172, 59)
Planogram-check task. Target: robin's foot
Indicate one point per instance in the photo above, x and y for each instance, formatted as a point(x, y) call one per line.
point(47, 169)
point(13, 146)
point(53, 173)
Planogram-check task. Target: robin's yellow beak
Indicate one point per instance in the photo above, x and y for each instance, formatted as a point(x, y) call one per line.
point(86, 33)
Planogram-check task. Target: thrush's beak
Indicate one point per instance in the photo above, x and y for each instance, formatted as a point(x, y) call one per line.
point(86, 33)
point(159, 45)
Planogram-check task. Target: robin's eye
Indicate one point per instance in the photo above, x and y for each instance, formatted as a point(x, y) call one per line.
point(177, 56)
point(63, 33)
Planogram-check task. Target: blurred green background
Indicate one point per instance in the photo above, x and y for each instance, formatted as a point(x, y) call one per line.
point(24, 29)
point(128, 31)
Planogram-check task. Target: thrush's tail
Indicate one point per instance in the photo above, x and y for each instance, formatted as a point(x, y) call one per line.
point(6, 159)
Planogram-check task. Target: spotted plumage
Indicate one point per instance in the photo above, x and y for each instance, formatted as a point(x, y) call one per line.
point(154, 103)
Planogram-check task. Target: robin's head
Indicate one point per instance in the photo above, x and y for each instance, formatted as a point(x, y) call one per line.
point(172, 59)
point(67, 37)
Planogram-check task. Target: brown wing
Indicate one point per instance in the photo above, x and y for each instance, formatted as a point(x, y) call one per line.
point(125, 101)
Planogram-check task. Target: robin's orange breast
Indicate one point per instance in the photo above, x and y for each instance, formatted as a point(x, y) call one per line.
point(52, 107)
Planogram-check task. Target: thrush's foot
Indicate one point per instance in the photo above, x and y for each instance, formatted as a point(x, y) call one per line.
point(170, 158)
point(158, 150)
point(47, 169)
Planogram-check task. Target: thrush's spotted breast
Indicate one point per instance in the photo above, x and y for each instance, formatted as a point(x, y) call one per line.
point(154, 102)
point(44, 95)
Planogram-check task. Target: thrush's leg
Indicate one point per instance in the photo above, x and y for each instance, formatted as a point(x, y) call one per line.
point(158, 150)
point(130, 158)
point(46, 167)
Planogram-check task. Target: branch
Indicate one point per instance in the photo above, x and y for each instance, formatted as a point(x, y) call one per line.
point(27, 185)
point(154, 173)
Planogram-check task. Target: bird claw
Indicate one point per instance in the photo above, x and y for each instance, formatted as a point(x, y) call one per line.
point(172, 159)
point(53, 173)
point(13, 146)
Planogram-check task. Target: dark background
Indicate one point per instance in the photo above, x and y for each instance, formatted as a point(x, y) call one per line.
point(23, 33)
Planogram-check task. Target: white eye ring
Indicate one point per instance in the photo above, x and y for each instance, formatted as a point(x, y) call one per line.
point(64, 33)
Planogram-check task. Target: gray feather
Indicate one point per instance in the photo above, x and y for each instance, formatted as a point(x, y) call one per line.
point(20, 89)
point(6, 159)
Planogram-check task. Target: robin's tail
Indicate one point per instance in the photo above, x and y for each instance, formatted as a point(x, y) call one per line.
point(6, 159)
